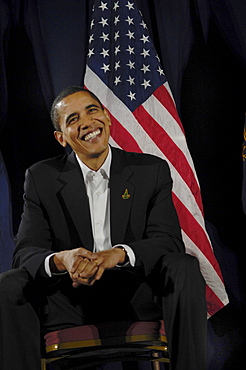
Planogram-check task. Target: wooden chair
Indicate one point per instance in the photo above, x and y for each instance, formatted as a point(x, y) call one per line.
point(86, 346)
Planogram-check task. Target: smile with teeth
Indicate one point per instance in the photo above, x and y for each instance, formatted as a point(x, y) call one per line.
point(92, 135)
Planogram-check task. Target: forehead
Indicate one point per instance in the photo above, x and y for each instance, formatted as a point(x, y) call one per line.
point(74, 102)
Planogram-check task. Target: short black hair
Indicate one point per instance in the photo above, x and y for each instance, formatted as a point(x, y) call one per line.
point(63, 94)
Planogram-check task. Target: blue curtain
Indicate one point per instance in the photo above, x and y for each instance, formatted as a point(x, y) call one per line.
point(6, 230)
point(202, 47)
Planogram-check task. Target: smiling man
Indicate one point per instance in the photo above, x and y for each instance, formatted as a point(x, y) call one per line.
point(99, 240)
point(84, 125)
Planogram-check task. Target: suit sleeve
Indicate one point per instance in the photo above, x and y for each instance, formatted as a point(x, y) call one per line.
point(34, 237)
point(162, 234)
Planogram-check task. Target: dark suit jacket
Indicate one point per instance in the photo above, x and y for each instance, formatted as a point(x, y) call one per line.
point(57, 217)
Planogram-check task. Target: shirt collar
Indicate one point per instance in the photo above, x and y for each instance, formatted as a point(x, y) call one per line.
point(105, 166)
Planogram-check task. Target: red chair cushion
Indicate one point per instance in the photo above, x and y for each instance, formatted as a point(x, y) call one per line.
point(103, 331)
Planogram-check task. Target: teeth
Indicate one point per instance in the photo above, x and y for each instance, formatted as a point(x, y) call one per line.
point(91, 135)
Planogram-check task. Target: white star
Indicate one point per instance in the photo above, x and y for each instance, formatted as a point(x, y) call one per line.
point(91, 52)
point(130, 5)
point(116, 5)
point(145, 39)
point(131, 64)
point(129, 20)
point(130, 34)
point(130, 50)
point(131, 80)
point(104, 22)
point(105, 67)
point(116, 20)
point(146, 83)
point(143, 24)
point(117, 80)
point(116, 35)
point(104, 36)
point(145, 53)
point(117, 65)
point(105, 53)
point(132, 95)
point(92, 23)
point(145, 68)
point(116, 49)
point(103, 6)
point(160, 70)
point(91, 39)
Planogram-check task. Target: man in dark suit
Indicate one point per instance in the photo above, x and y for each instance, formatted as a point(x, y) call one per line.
point(99, 240)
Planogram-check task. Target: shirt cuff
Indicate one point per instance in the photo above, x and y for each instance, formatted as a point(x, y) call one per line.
point(130, 253)
point(47, 267)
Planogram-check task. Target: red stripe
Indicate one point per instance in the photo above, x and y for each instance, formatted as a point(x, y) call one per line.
point(122, 137)
point(214, 304)
point(166, 100)
point(195, 232)
point(170, 149)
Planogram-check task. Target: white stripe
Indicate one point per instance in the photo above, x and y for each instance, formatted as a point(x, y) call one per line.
point(212, 279)
point(162, 116)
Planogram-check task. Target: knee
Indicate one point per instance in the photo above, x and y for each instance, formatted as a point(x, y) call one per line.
point(188, 261)
point(6, 279)
point(182, 265)
point(180, 259)
point(12, 284)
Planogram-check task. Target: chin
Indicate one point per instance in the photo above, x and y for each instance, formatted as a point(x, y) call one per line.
point(97, 154)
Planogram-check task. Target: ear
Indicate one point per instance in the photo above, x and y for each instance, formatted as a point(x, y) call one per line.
point(108, 116)
point(60, 138)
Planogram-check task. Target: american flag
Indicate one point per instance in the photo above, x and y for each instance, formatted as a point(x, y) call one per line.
point(124, 71)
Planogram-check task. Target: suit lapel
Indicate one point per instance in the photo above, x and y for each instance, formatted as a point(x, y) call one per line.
point(121, 195)
point(75, 197)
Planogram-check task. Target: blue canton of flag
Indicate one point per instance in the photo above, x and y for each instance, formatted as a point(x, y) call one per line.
point(120, 43)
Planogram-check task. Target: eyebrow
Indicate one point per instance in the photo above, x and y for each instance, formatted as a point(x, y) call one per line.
point(92, 105)
point(75, 114)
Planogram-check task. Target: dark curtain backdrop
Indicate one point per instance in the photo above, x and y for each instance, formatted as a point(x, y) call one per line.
point(202, 47)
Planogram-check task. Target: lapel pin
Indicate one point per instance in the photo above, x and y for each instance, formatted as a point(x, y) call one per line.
point(126, 195)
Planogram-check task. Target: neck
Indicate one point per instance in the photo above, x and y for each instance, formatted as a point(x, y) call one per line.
point(94, 162)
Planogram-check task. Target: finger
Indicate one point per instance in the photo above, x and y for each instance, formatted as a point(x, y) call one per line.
point(75, 284)
point(89, 270)
point(76, 262)
point(85, 253)
point(83, 281)
point(83, 262)
point(99, 272)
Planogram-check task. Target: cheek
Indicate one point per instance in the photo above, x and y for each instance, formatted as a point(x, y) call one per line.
point(107, 128)
point(72, 132)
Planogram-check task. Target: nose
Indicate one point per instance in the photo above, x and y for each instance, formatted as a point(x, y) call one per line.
point(85, 123)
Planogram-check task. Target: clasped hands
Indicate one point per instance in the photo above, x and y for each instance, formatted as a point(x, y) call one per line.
point(86, 267)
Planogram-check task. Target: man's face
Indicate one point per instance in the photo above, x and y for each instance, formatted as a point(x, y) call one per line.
point(84, 125)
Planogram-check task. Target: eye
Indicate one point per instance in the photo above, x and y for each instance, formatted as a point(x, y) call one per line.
point(93, 110)
point(72, 120)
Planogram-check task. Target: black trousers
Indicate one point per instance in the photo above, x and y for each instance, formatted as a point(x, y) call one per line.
point(175, 292)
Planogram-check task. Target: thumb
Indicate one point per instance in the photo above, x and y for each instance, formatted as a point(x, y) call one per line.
point(75, 285)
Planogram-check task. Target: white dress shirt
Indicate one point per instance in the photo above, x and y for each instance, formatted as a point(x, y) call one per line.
point(98, 191)
point(97, 187)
